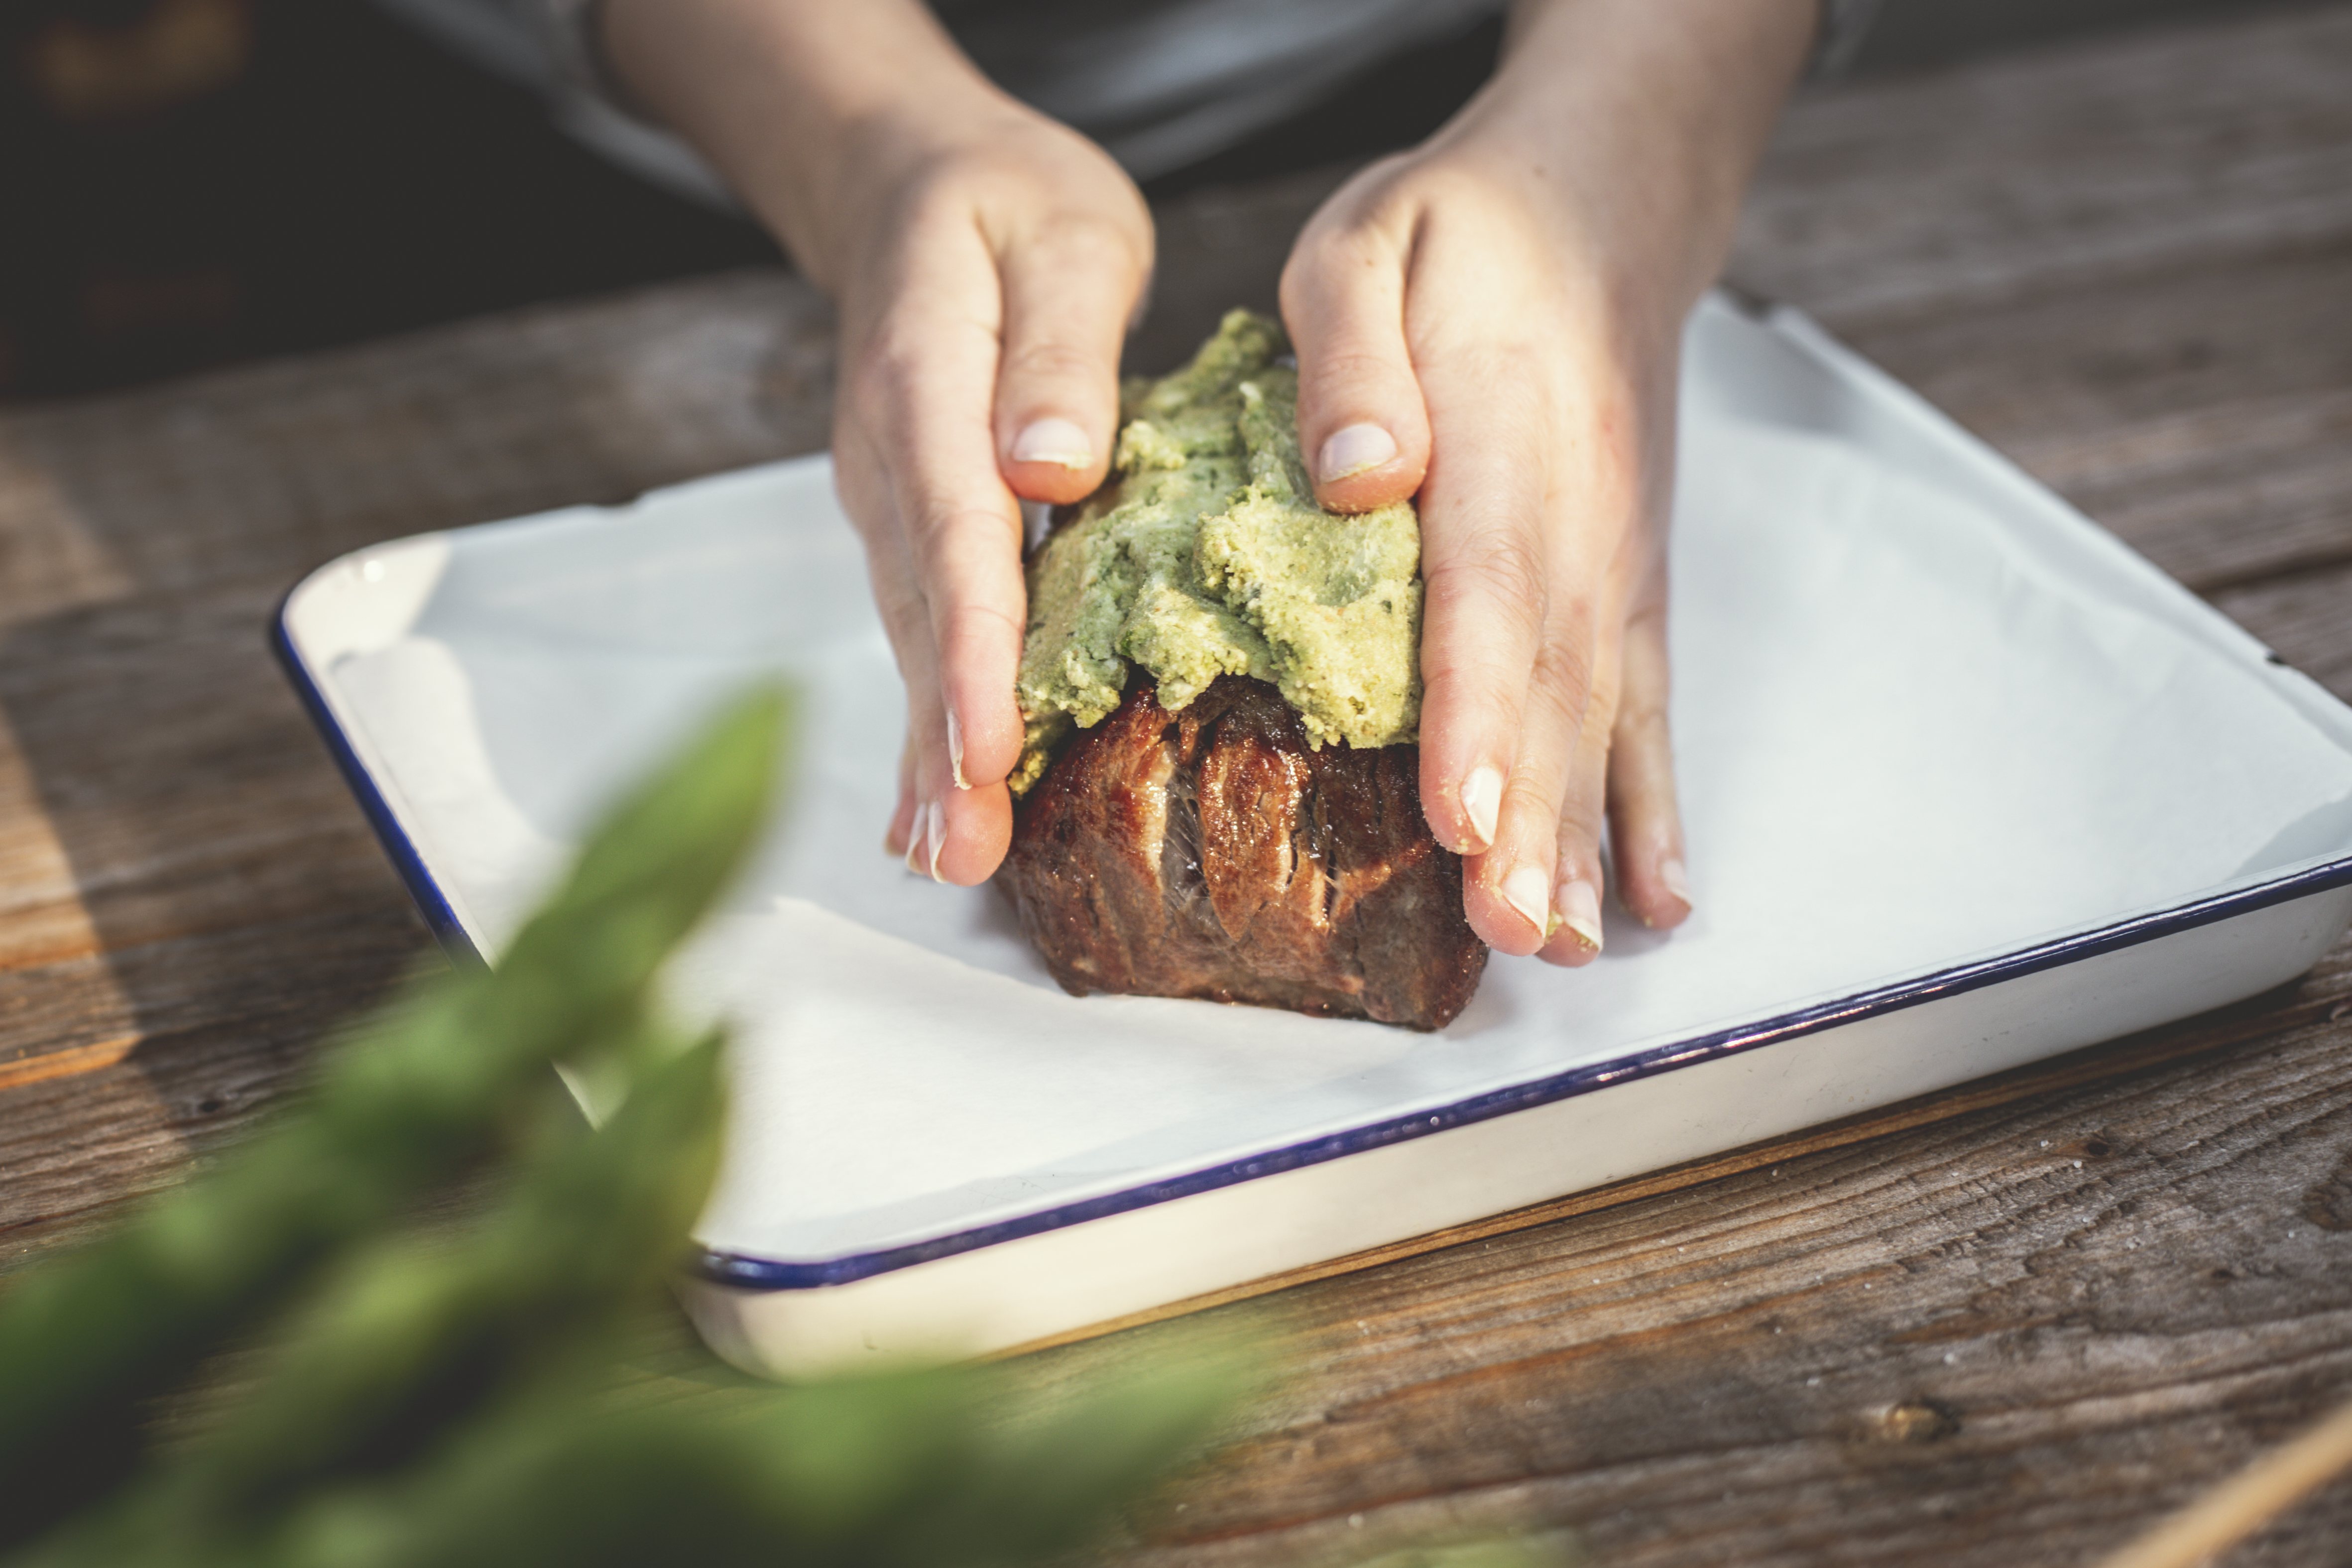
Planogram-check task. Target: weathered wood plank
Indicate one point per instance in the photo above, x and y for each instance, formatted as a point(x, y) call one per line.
point(192, 898)
point(2204, 414)
point(2095, 162)
point(2011, 1336)
point(2306, 619)
point(2319, 996)
point(268, 469)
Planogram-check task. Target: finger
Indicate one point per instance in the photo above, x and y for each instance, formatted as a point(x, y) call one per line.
point(1485, 598)
point(864, 494)
point(898, 838)
point(1577, 876)
point(926, 402)
point(1361, 420)
point(1069, 293)
point(1509, 897)
point(1646, 829)
point(953, 835)
point(944, 830)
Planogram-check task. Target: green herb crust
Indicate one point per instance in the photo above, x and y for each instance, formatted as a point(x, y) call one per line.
point(1206, 554)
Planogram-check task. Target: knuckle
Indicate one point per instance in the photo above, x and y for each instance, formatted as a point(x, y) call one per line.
point(902, 619)
point(1336, 249)
point(1645, 623)
point(958, 618)
point(899, 601)
point(1641, 720)
point(881, 381)
point(1560, 690)
point(966, 629)
point(1562, 704)
point(1579, 835)
point(1486, 681)
point(1334, 373)
point(948, 183)
point(1565, 663)
point(1055, 359)
point(1500, 575)
point(944, 527)
point(1488, 617)
point(1093, 240)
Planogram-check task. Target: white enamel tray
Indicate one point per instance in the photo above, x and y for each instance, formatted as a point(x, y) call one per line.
point(1967, 784)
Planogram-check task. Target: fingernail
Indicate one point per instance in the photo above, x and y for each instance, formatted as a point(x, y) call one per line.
point(1055, 441)
point(1677, 880)
point(1482, 800)
point(1352, 450)
point(1523, 890)
point(937, 835)
point(955, 750)
point(1580, 910)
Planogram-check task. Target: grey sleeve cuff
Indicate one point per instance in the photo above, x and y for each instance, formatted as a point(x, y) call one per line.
point(1843, 25)
point(597, 110)
point(572, 38)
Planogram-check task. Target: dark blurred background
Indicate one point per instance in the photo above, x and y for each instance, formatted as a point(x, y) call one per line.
point(188, 182)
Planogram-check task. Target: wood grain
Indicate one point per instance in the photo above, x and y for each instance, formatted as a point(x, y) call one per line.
point(2010, 1324)
point(2303, 617)
point(2004, 1337)
point(2204, 414)
point(2095, 162)
point(190, 898)
point(2316, 998)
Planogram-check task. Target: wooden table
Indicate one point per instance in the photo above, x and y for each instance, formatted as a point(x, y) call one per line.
point(2005, 1325)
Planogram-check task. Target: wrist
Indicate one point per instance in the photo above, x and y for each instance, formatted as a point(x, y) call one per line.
point(1645, 120)
point(811, 110)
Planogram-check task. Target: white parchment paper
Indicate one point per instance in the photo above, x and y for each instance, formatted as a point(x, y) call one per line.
point(1915, 727)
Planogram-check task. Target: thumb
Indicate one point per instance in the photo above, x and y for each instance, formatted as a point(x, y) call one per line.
point(1068, 295)
point(1362, 422)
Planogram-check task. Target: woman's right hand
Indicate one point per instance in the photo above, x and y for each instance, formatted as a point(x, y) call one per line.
point(987, 261)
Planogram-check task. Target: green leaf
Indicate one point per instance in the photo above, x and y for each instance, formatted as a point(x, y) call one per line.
point(913, 1469)
point(442, 1401)
point(426, 1091)
point(418, 1340)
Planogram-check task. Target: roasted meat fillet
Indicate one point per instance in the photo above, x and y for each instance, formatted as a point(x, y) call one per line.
point(1213, 853)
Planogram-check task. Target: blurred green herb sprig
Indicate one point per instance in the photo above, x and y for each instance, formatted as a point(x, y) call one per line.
point(431, 1399)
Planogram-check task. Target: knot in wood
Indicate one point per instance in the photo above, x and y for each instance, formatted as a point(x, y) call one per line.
point(2328, 1203)
point(1921, 1421)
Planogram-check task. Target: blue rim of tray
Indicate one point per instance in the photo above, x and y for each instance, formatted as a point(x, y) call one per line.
point(749, 1273)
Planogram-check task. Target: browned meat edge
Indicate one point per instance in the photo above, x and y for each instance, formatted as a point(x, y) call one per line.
point(1213, 853)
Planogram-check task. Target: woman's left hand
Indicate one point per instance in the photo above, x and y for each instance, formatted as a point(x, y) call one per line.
point(1494, 322)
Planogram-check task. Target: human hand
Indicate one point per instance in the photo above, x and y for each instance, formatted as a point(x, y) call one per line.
point(1494, 321)
point(986, 261)
point(982, 309)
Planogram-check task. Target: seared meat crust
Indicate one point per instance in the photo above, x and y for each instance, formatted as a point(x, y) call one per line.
point(1213, 853)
